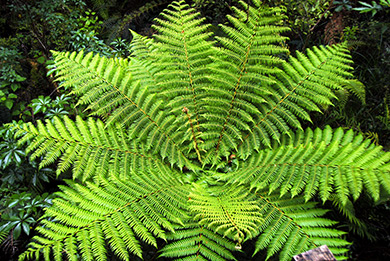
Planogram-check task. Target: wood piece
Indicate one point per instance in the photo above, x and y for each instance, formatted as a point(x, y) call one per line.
point(321, 253)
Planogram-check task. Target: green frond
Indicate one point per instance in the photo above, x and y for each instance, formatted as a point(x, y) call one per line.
point(242, 68)
point(231, 213)
point(293, 226)
point(357, 88)
point(183, 55)
point(142, 64)
point(141, 46)
point(112, 93)
point(355, 225)
point(90, 148)
point(350, 86)
point(327, 162)
point(105, 85)
point(196, 242)
point(123, 211)
point(305, 83)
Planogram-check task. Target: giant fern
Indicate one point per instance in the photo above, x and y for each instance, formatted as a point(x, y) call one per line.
point(199, 142)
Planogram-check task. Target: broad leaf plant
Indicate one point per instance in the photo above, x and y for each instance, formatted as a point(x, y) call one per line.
point(196, 141)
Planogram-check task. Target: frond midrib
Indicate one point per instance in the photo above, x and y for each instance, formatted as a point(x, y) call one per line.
point(184, 36)
point(193, 99)
point(243, 67)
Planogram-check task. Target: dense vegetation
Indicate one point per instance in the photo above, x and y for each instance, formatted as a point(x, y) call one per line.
point(221, 152)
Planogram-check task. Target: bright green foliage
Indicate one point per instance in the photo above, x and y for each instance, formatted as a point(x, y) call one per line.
point(196, 242)
point(293, 225)
point(215, 209)
point(119, 210)
point(201, 145)
point(327, 162)
point(82, 145)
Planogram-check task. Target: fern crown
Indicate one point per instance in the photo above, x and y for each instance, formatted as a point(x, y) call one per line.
point(197, 140)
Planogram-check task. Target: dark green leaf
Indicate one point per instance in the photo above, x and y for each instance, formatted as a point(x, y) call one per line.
point(17, 231)
point(26, 228)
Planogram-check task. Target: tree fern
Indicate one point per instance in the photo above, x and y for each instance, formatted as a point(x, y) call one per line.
point(197, 141)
